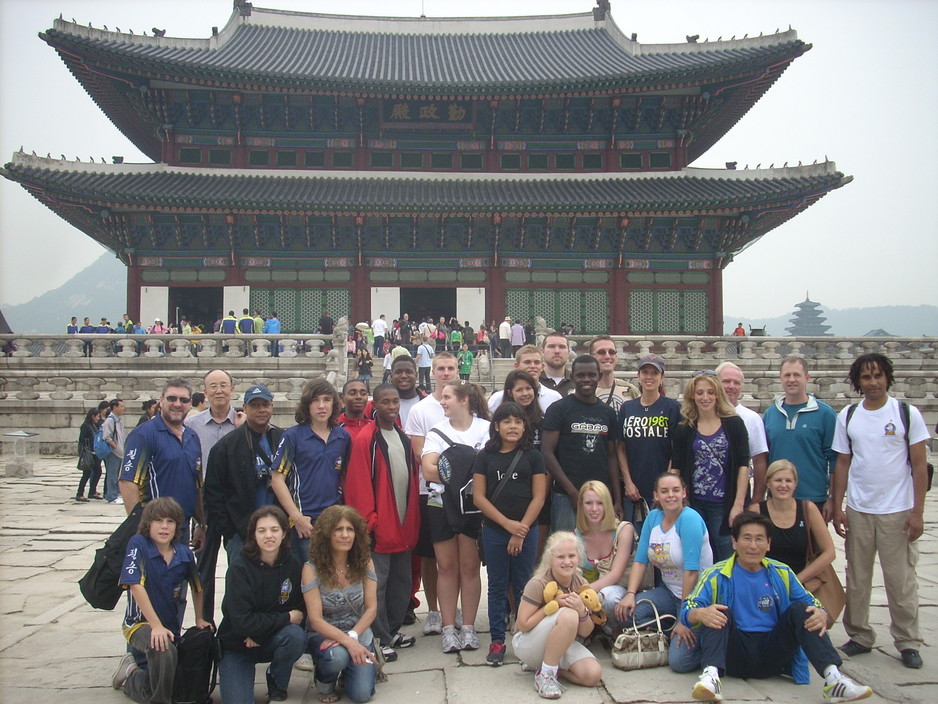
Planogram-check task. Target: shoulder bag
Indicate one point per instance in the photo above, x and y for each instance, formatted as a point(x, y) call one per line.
point(639, 648)
point(825, 586)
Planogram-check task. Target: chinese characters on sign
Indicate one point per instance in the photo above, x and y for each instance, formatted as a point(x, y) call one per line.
point(424, 113)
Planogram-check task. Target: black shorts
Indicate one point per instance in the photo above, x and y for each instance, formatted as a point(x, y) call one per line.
point(440, 530)
point(424, 547)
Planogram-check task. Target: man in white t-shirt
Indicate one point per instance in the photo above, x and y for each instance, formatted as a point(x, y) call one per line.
point(881, 468)
point(504, 336)
point(380, 330)
point(731, 379)
point(529, 359)
point(423, 416)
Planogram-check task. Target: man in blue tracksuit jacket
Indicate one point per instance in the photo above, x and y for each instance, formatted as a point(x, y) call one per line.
point(753, 618)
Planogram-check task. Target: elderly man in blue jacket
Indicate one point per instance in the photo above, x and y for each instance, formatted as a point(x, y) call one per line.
point(753, 618)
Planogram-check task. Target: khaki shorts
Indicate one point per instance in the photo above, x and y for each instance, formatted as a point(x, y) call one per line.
point(529, 646)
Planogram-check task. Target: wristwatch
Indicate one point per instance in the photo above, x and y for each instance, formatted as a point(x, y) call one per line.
point(353, 635)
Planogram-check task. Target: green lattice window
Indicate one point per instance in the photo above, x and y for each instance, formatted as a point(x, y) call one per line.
point(668, 312)
point(299, 308)
point(586, 309)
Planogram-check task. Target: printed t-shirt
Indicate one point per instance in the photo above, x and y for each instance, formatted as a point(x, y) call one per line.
point(514, 499)
point(646, 433)
point(585, 431)
point(880, 479)
point(686, 546)
point(754, 601)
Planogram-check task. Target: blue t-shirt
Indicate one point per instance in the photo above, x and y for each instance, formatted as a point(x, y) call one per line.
point(162, 465)
point(755, 604)
point(165, 583)
point(313, 468)
point(711, 456)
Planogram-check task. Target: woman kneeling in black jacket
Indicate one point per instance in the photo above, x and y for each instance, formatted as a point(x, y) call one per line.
point(262, 611)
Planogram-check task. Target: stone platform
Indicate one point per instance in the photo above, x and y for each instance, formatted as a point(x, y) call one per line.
point(52, 644)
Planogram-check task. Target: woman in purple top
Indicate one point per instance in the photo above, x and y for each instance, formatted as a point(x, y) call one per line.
point(710, 449)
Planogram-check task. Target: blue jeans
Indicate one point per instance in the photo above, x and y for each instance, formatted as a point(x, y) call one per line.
point(562, 513)
point(300, 547)
point(112, 468)
point(233, 547)
point(712, 513)
point(236, 669)
point(505, 571)
point(331, 662)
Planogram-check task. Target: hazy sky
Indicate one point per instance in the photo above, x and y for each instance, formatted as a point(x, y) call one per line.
point(865, 96)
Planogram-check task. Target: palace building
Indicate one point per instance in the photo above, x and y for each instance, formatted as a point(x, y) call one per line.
point(483, 167)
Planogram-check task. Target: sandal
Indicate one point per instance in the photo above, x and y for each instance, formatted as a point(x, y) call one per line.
point(328, 698)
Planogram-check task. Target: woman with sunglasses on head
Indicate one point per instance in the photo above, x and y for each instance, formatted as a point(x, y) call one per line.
point(710, 450)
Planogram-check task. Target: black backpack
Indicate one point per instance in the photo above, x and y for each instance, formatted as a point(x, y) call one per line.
point(100, 585)
point(455, 466)
point(198, 652)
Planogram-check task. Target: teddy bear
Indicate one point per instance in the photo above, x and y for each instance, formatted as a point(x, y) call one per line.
point(587, 594)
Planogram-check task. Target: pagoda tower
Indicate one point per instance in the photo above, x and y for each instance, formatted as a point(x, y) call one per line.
point(808, 321)
point(529, 166)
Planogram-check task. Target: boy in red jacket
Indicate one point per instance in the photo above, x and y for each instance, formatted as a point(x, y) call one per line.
point(382, 483)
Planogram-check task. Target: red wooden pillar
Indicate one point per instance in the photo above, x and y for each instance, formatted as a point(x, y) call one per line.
point(360, 295)
point(619, 303)
point(715, 316)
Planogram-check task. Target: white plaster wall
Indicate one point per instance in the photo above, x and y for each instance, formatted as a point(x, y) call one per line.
point(236, 298)
point(154, 303)
point(470, 305)
point(387, 300)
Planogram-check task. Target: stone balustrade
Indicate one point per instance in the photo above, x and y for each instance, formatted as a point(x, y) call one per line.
point(49, 380)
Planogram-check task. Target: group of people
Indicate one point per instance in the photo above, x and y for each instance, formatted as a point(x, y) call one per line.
point(693, 508)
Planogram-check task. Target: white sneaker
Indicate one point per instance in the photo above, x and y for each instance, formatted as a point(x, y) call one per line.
point(708, 688)
point(305, 663)
point(547, 686)
point(845, 690)
point(469, 638)
point(119, 500)
point(434, 624)
point(451, 641)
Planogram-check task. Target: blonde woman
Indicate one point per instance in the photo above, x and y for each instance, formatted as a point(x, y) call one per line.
point(710, 450)
point(792, 520)
point(607, 545)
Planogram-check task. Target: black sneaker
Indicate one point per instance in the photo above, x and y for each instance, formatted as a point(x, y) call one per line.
point(390, 655)
point(911, 658)
point(496, 654)
point(274, 693)
point(410, 618)
point(851, 648)
point(399, 640)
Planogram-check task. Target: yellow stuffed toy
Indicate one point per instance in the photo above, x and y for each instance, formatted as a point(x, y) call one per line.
point(587, 594)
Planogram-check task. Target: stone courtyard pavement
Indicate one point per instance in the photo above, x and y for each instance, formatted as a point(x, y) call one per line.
point(53, 644)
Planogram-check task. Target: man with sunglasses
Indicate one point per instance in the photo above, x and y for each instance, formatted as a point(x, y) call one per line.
point(611, 391)
point(164, 458)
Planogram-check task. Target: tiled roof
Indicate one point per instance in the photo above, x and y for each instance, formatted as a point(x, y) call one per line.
point(152, 186)
point(469, 56)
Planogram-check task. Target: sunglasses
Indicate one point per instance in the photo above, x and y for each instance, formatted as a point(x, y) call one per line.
point(707, 372)
point(178, 399)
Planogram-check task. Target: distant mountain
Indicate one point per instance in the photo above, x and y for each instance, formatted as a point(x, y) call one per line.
point(99, 290)
point(903, 321)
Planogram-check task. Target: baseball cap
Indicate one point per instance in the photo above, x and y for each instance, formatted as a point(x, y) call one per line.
point(652, 359)
point(258, 391)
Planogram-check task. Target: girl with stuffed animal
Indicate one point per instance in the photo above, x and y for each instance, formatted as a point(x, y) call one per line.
point(551, 614)
point(674, 539)
point(510, 483)
point(607, 544)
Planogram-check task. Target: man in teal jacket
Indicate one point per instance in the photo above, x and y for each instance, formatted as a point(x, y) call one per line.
point(753, 618)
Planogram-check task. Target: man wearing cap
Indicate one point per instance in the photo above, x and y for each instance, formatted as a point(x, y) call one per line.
point(211, 425)
point(238, 470)
point(646, 424)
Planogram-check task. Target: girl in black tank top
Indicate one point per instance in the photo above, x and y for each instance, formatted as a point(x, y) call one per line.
point(789, 545)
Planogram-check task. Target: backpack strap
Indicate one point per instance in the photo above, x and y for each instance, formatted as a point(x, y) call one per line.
point(442, 435)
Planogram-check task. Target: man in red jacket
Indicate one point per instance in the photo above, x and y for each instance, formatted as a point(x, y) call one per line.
point(382, 484)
